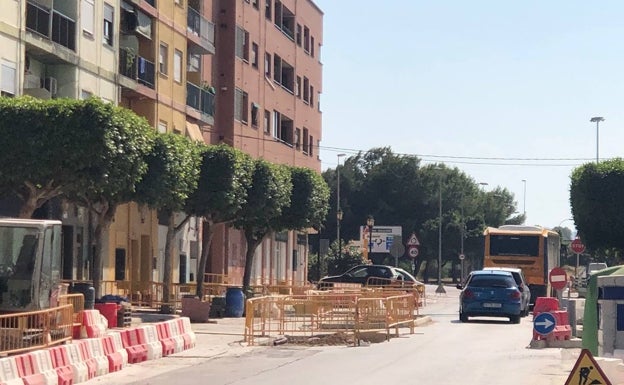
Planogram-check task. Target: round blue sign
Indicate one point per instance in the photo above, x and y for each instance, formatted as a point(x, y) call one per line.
point(544, 323)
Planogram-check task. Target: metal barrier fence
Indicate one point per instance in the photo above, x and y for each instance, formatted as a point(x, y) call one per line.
point(324, 312)
point(23, 332)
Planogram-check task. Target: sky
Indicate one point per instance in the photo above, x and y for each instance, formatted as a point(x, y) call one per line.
point(502, 90)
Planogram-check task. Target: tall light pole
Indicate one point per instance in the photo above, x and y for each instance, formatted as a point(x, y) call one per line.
point(440, 288)
point(370, 222)
point(597, 120)
point(338, 210)
point(524, 199)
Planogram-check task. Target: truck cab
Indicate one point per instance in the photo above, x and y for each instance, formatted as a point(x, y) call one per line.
point(30, 264)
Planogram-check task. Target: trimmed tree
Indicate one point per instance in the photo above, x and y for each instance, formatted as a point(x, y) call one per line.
point(225, 175)
point(597, 201)
point(47, 145)
point(172, 175)
point(267, 195)
point(118, 142)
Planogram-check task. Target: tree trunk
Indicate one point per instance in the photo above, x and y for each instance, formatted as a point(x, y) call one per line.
point(201, 269)
point(167, 271)
point(252, 245)
point(104, 220)
point(28, 207)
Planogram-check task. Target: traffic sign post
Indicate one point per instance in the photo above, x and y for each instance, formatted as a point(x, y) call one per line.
point(413, 251)
point(397, 249)
point(577, 246)
point(558, 278)
point(544, 323)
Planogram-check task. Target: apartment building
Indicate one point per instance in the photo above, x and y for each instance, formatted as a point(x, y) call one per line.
point(242, 72)
point(268, 78)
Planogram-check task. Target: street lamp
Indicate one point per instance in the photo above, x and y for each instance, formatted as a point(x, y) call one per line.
point(440, 288)
point(338, 210)
point(370, 222)
point(483, 184)
point(597, 120)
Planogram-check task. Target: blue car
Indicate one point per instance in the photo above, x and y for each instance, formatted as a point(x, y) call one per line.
point(490, 293)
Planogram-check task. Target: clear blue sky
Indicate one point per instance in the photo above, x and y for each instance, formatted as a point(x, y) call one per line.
point(510, 86)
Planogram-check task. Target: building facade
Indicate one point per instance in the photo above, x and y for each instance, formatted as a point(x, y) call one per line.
point(242, 72)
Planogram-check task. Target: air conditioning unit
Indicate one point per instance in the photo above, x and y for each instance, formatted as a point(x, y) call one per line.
point(50, 85)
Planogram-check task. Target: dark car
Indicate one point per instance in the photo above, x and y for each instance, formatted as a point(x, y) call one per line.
point(490, 293)
point(371, 275)
point(522, 286)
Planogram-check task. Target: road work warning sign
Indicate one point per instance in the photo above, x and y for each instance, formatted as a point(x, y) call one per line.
point(586, 371)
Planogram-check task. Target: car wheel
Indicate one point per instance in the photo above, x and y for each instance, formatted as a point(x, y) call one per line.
point(514, 319)
point(463, 317)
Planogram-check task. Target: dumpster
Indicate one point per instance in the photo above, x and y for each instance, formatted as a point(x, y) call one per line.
point(109, 311)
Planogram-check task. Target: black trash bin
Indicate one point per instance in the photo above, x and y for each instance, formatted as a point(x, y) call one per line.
point(87, 290)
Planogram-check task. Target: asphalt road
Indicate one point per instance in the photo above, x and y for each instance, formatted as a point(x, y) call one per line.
point(445, 351)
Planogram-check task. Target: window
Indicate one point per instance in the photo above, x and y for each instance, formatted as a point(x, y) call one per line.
point(306, 141)
point(283, 128)
point(177, 66)
point(242, 43)
point(7, 81)
point(254, 114)
point(284, 74)
point(298, 87)
point(312, 46)
point(311, 96)
point(297, 138)
point(241, 109)
point(267, 9)
point(267, 121)
point(86, 16)
point(107, 36)
point(162, 58)
point(267, 64)
point(306, 39)
point(193, 63)
point(255, 4)
point(298, 35)
point(306, 90)
point(311, 150)
point(254, 55)
point(84, 94)
point(284, 19)
point(162, 126)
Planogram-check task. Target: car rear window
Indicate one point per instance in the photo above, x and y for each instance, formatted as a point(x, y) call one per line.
point(492, 281)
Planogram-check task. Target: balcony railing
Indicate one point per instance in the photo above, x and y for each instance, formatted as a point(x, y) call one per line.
point(63, 30)
point(200, 99)
point(201, 27)
point(137, 68)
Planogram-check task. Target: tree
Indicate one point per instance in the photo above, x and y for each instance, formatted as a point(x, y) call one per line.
point(225, 176)
point(267, 195)
point(597, 201)
point(49, 145)
point(309, 201)
point(172, 175)
point(118, 142)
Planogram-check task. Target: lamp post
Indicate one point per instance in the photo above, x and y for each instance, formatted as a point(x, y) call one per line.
point(370, 222)
point(597, 120)
point(338, 210)
point(440, 288)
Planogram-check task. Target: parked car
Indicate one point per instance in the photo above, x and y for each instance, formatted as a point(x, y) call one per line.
point(490, 293)
point(522, 286)
point(372, 275)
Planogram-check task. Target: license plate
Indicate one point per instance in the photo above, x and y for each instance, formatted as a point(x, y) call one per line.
point(490, 304)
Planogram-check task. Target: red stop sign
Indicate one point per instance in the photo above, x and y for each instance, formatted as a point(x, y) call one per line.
point(577, 246)
point(558, 278)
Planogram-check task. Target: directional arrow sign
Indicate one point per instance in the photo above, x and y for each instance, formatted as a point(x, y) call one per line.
point(544, 323)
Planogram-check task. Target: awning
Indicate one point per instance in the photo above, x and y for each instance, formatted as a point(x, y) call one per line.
point(193, 132)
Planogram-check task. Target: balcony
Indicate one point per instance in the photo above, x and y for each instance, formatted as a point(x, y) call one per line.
point(51, 25)
point(201, 32)
point(201, 100)
point(137, 68)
